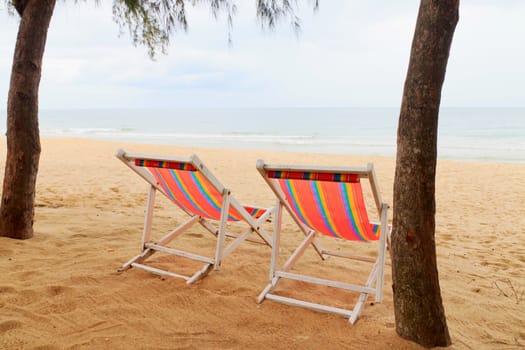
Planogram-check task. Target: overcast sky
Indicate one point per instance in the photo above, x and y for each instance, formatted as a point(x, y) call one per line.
point(349, 53)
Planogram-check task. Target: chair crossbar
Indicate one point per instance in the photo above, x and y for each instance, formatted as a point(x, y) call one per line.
point(255, 223)
point(178, 231)
point(292, 260)
point(200, 274)
point(214, 230)
point(140, 257)
point(237, 240)
point(267, 290)
point(349, 256)
point(159, 271)
point(310, 306)
point(209, 226)
point(180, 253)
point(249, 239)
point(325, 282)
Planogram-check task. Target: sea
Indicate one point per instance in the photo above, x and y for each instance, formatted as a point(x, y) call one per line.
point(466, 134)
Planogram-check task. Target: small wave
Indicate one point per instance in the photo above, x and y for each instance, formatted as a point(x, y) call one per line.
point(80, 131)
point(479, 134)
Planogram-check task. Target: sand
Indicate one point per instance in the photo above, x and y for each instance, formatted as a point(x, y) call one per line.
point(61, 289)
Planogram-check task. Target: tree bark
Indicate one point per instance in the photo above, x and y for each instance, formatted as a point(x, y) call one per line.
point(418, 305)
point(23, 140)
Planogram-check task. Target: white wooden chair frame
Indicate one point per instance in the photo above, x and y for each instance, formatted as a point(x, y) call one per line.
point(219, 231)
point(277, 273)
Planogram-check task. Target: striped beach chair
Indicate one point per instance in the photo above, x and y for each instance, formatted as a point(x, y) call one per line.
point(329, 201)
point(191, 186)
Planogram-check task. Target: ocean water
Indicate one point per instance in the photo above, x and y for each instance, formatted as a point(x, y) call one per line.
point(471, 134)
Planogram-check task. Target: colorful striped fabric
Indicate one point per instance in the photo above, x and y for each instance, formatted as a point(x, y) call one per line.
point(303, 175)
point(332, 208)
point(189, 189)
point(164, 164)
point(254, 211)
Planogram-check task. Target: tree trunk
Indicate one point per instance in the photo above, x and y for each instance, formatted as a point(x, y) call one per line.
point(23, 141)
point(419, 311)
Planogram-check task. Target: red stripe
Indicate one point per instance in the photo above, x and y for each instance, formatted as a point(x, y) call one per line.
point(335, 205)
point(362, 213)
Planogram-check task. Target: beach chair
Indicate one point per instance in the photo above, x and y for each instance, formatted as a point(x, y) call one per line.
point(191, 186)
point(329, 201)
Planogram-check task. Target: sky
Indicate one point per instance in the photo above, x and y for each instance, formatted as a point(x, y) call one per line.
point(348, 54)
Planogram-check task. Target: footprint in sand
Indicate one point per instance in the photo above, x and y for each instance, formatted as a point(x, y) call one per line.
point(7, 289)
point(55, 290)
point(8, 325)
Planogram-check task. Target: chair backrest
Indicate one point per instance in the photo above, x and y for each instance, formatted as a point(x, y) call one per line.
point(186, 182)
point(328, 200)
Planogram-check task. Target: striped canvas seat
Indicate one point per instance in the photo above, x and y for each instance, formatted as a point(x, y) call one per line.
point(331, 204)
point(191, 190)
point(190, 185)
point(328, 201)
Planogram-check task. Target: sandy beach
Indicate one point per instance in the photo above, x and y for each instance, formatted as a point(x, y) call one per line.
point(61, 289)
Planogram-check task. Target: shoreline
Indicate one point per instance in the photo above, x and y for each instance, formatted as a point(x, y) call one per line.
point(60, 289)
point(284, 148)
point(464, 134)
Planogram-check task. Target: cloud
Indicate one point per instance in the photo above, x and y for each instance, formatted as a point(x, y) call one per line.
point(485, 65)
point(350, 53)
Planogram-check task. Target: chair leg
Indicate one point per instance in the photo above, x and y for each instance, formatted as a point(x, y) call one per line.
point(276, 239)
point(148, 218)
point(385, 231)
point(146, 232)
point(221, 237)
